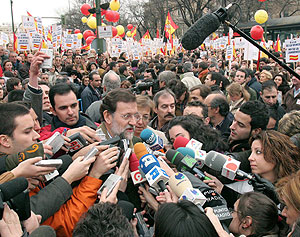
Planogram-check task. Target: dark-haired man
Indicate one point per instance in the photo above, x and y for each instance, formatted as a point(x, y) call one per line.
point(250, 119)
point(165, 104)
point(65, 109)
point(92, 92)
point(218, 112)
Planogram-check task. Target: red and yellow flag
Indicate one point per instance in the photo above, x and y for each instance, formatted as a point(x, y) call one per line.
point(278, 45)
point(170, 26)
point(133, 32)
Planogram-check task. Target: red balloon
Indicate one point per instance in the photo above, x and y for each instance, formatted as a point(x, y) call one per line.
point(90, 39)
point(88, 33)
point(109, 16)
point(129, 26)
point(94, 15)
point(114, 31)
point(261, 0)
point(116, 16)
point(76, 31)
point(257, 32)
point(85, 9)
point(103, 12)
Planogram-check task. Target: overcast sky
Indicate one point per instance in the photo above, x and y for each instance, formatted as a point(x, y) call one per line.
point(42, 8)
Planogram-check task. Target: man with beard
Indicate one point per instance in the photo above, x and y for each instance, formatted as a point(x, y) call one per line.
point(164, 108)
point(119, 114)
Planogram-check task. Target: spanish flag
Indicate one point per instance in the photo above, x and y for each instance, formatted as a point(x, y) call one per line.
point(278, 44)
point(146, 36)
point(170, 26)
point(133, 32)
point(294, 57)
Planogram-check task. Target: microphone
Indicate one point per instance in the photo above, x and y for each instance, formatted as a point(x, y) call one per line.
point(155, 175)
point(140, 150)
point(228, 167)
point(193, 144)
point(183, 188)
point(12, 188)
point(180, 142)
point(213, 200)
point(155, 142)
point(186, 151)
point(184, 163)
point(203, 27)
point(137, 177)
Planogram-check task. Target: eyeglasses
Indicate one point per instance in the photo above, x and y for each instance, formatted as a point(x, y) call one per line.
point(127, 117)
point(145, 118)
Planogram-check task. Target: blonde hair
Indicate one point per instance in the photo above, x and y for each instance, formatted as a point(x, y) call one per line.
point(289, 124)
point(267, 74)
point(289, 189)
point(237, 89)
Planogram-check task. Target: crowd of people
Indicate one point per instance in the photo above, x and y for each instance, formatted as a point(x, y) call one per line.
point(244, 111)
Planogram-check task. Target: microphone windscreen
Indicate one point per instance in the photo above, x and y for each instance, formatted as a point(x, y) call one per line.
point(148, 136)
point(180, 142)
point(179, 183)
point(43, 231)
point(12, 188)
point(186, 151)
point(174, 156)
point(127, 209)
point(147, 162)
point(198, 32)
point(140, 150)
point(133, 162)
point(215, 160)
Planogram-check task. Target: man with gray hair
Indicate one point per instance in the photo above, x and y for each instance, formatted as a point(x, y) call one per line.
point(164, 78)
point(188, 77)
point(164, 108)
point(111, 80)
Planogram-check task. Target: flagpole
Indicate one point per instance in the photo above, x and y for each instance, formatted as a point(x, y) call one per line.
point(12, 16)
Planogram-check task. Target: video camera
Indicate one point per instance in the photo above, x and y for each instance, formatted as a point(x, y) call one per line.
point(143, 86)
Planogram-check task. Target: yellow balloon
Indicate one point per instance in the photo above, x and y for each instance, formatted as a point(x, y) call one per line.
point(103, 24)
point(79, 36)
point(92, 22)
point(114, 5)
point(120, 29)
point(128, 33)
point(261, 16)
point(84, 19)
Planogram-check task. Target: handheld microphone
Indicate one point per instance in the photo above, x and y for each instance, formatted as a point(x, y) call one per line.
point(186, 151)
point(155, 142)
point(12, 188)
point(203, 27)
point(183, 188)
point(140, 150)
point(180, 142)
point(228, 167)
point(137, 177)
point(184, 163)
point(155, 176)
point(193, 144)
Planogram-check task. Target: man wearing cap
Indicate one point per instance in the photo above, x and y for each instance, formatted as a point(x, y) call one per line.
point(91, 58)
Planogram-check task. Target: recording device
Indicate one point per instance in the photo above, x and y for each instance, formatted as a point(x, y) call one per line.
point(77, 143)
point(56, 163)
point(101, 134)
point(141, 224)
point(47, 63)
point(156, 177)
point(228, 166)
point(155, 142)
point(56, 141)
point(110, 183)
point(143, 86)
point(137, 177)
point(10, 190)
point(194, 145)
point(203, 27)
point(91, 153)
point(183, 189)
point(140, 150)
point(184, 163)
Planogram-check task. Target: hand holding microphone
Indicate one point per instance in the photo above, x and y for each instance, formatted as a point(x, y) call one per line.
point(264, 186)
